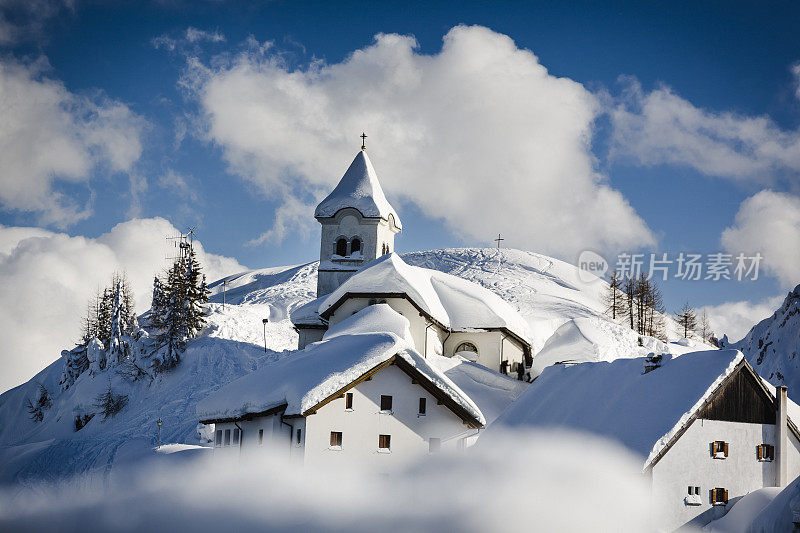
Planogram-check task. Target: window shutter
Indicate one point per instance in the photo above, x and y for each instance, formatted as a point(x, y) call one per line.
point(726, 495)
point(726, 449)
point(759, 452)
point(713, 496)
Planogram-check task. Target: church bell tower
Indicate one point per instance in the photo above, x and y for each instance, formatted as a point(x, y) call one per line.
point(358, 224)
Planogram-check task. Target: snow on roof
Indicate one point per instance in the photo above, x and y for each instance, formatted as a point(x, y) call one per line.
point(359, 188)
point(305, 378)
point(379, 318)
point(456, 303)
point(616, 400)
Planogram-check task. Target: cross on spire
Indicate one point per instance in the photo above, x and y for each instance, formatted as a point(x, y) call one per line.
point(498, 239)
point(363, 140)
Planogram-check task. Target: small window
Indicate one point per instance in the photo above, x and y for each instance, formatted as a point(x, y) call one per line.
point(227, 437)
point(386, 404)
point(218, 439)
point(300, 437)
point(423, 404)
point(719, 449)
point(336, 440)
point(384, 442)
point(765, 452)
point(355, 245)
point(694, 491)
point(719, 496)
point(434, 445)
point(341, 247)
point(260, 437)
point(236, 433)
point(348, 401)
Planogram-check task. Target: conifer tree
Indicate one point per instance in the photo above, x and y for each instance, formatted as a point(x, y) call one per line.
point(705, 328)
point(687, 319)
point(109, 403)
point(177, 312)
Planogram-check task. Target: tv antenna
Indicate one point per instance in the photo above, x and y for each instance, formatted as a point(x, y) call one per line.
point(183, 243)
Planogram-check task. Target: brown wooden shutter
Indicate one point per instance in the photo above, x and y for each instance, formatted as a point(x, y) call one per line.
point(713, 496)
point(771, 452)
point(760, 452)
point(726, 449)
point(726, 496)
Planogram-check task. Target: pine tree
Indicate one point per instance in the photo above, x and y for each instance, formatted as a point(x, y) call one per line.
point(177, 312)
point(109, 403)
point(37, 408)
point(687, 319)
point(76, 363)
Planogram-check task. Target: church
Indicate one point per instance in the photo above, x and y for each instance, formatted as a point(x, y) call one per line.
point(393, 362)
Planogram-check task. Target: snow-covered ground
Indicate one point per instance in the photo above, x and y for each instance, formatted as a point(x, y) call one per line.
point(549, 294)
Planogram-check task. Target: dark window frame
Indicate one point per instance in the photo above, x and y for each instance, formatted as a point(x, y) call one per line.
point(386, 403)
point(385, 442)
point(348, 401)
point(422, 409)
point(336, 439)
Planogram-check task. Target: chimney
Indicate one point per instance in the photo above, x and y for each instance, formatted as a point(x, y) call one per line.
point(781, 442)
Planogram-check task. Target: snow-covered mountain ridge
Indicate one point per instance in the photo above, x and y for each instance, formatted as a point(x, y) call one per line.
point(772, 346)
point(565, 315)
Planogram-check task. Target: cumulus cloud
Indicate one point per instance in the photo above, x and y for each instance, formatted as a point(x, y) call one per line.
point(517, 484)
point(769, 222)
point(479, 135)
point(735, 319)
point(660, 127)
point(48, 133)
point(48, 278)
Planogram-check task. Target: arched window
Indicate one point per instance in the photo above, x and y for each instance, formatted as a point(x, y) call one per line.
point(466, 347)
point(355, 245)
point(341, 247)
point(467, 350)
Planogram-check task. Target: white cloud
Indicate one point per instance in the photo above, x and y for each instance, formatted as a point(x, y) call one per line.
point(48, 134)
point(190, 36)
point(660, 127)
point(479, 135)
point(48, 278)
point(769, 222)
point(735, 319)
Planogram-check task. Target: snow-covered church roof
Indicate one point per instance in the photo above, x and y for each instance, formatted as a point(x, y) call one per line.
point(456, 303)
point(359, 188)
point(618, 401)
point(302, 380)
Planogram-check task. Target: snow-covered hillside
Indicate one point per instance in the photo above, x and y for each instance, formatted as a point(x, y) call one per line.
point(773, 345)
point(565, 316)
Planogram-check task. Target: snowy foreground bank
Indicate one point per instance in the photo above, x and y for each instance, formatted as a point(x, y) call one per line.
point(483, 489)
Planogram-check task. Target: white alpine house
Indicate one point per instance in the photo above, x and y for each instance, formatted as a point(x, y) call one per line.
point(707, 428)
point(362, 395)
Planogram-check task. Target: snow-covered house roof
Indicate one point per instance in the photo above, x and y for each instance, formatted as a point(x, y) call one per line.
point(360, 189)
point(300, 383)
point(455, 303)
point(645, 412)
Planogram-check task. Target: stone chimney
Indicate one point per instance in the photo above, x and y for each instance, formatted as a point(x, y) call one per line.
point(781, 440)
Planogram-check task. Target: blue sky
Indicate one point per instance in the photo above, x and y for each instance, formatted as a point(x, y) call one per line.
point(723, 67)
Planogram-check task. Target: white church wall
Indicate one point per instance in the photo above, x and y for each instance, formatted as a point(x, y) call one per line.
point(689, 463)
point(417, 323)
point(360, 427)
point(308, 335)
point(491, 345)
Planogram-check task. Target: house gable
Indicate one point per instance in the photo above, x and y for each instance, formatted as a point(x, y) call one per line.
point(741, 399)
point(417, 378)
